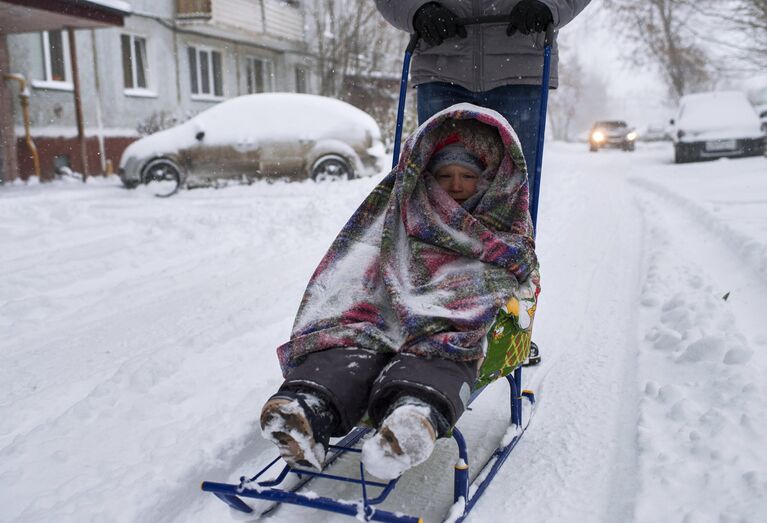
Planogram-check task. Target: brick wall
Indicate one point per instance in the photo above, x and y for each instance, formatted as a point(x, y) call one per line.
point(50, 147)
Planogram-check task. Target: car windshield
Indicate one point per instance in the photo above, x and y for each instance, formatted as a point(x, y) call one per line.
point(615, 124)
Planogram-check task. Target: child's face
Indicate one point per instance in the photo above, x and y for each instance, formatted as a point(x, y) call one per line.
point(457, 181)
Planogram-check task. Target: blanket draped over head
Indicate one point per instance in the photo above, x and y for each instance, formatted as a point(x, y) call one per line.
point(413, 270)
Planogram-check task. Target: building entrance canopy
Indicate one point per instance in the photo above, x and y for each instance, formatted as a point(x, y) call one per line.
point(26, 16)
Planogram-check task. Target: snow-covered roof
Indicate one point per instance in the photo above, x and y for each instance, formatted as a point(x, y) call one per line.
point(115, 5)
point(21, 16)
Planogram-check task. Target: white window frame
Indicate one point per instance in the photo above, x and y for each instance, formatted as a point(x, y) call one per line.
point(211, 74)
point(140, 92)
point(267, 69)
point(48, 82)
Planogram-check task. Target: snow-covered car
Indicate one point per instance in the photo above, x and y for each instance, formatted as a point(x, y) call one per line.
point(758, 98)
point(612, 133)
point(272, 135)
point(654, 133)
point(716, 124)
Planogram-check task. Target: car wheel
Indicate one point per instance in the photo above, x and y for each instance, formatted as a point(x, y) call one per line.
point(593, 148)
point(162, 176)
point(331, 168)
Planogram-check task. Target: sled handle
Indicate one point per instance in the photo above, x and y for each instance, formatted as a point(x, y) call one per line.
point(541, 126)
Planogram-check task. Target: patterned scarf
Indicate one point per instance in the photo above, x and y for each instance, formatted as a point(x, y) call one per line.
point(414, 271)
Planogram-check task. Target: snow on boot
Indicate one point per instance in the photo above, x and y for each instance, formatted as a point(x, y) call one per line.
point(299, 424)
point(406, 439)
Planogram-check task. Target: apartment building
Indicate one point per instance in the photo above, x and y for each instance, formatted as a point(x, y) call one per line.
point(170, 60)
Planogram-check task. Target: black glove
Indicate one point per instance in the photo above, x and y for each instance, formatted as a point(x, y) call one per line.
point(435, 23)
point(529, 16)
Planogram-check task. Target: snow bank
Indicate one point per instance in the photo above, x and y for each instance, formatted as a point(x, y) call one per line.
point(703, 295)
point(753, 251)
point(702, 408)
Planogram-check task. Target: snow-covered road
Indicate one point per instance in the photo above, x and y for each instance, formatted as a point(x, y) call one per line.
point(137, 342)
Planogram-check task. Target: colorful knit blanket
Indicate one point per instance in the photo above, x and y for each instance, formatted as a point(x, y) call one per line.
point(415, 271)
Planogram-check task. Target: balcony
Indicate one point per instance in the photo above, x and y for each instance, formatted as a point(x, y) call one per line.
point(193, 9)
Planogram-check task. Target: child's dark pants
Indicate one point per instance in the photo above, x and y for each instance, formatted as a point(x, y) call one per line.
point(358, 380)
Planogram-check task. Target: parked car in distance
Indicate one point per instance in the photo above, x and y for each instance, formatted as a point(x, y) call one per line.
point(271, 135)
point(654, 133)
point(762, 113)
point(758, 99)
point(612, 133)
point(714, 125)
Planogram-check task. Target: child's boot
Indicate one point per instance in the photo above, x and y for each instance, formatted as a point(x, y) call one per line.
point(300, 424)
point(405, 439)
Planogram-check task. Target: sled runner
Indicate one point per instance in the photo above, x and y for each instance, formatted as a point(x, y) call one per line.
point(508, 348)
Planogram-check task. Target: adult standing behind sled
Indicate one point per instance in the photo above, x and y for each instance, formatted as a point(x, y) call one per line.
point(498, 66)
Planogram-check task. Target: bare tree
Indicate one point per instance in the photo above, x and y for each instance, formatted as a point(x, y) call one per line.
point(358, 56)
point(742, 32)
point(664, 33)
point(349, 39)
point(581, 96)
point(566, 99)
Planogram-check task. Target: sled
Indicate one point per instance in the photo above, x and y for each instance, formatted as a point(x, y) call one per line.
point(504, 359)
point(466, 492)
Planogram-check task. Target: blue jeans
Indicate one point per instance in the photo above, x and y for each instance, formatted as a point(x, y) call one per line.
point(519, 104)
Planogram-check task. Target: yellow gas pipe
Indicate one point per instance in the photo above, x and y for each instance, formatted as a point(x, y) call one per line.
point(24, 98)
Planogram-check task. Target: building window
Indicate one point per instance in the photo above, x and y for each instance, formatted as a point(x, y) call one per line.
point(258, 75)
point(56, 68)
point(300, 80)
point(205, 72)
point(135, 66)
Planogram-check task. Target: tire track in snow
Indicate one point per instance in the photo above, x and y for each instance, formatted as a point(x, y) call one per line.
point(751, 250)
point(577, 461)
point(138, 321)
point(148, 382)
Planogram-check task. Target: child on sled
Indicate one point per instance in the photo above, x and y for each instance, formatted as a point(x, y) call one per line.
point(394, 323)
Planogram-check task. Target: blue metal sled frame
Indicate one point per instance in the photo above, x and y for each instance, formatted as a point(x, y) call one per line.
point(465, 493)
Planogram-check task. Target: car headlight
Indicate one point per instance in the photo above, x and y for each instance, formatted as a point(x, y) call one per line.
point(631, 136)
point(598, 136)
